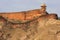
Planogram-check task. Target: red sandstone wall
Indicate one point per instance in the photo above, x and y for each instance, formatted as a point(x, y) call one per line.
point(21, 15)
point(49, 16)
point(14, 16)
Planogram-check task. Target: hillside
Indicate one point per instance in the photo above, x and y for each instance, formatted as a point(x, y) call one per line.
point(47, 29)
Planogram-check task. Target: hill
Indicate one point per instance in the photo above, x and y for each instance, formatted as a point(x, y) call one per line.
point(45, 29)
point(30, 25)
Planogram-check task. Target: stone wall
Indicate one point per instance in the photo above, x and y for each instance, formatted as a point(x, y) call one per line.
point(48, 16)
point(24, 15)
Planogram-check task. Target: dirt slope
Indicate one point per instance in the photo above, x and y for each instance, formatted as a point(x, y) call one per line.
point(43, 30)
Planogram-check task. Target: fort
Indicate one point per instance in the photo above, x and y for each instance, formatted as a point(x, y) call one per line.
point(35, 24)
point(27, 15)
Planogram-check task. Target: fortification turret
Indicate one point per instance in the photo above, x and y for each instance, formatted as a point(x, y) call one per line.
point(43, 7)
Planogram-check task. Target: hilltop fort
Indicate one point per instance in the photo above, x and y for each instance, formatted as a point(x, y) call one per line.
point(35, 24)
point(28, 15)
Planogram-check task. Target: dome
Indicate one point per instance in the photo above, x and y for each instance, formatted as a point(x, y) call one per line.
point(43, 4)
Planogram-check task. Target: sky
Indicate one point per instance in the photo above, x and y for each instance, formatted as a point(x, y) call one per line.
point(53, 6)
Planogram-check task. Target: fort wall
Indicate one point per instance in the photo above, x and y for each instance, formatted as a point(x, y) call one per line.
point(25, 15)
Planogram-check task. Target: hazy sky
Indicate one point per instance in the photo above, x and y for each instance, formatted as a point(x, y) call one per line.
point(53, 6)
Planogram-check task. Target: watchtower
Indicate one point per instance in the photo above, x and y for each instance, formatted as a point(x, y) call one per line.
point(43, 7)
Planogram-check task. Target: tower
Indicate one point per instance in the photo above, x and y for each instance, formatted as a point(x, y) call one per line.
point(43, 7)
